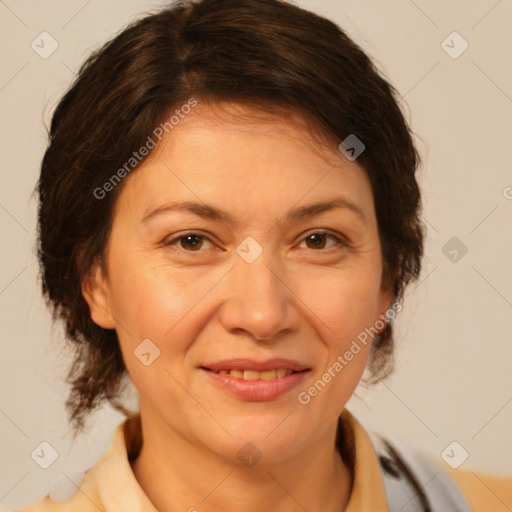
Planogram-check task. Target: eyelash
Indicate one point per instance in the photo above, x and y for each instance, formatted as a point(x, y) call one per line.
point(341, 241)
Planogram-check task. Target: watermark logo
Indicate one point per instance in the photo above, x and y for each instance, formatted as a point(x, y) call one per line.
point(249, 455)
point(146, 352)
point(454, 455)
point(44, 45)
point(352, 147)
point(44, 455)
point(249, 250)
point(454, 249)
point(454, 45)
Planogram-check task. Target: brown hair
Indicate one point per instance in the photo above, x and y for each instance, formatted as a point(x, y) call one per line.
point(267, 53)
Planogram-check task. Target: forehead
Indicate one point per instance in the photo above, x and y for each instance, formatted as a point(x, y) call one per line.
point(236, 155)
point(237, 121)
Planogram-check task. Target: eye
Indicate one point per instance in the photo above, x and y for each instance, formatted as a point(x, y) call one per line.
point(317, 240)
point(194, 242)
point(190, 242)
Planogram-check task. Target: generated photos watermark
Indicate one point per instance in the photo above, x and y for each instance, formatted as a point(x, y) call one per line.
point(151, 142)
point(363, 338)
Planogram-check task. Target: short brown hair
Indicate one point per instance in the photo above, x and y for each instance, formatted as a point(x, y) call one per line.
point(261, 52)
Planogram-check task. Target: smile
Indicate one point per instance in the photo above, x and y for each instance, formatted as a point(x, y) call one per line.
point(255, 375)
point(253, 385)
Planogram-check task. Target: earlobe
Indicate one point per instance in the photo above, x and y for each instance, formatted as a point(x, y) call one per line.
point(96, 294)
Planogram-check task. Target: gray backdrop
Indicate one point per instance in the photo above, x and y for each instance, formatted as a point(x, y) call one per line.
point(451, 63)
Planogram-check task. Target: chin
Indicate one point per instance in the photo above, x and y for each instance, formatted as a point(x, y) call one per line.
point(274, 438)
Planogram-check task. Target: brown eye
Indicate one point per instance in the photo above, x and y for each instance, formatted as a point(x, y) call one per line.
point(318, 240)
point(190, 242)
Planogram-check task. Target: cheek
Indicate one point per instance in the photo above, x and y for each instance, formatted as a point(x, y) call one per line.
point(344, 309)
point(344, 303)
point(158, 302)
point(150, 303)
point(144, 304)
point(148, 293)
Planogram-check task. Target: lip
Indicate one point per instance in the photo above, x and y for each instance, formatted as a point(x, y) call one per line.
point(255, 390)
point(258, 366)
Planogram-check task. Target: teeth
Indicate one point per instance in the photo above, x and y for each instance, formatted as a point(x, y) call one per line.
point(278, 373)
point(268, 375)
point(251, 375)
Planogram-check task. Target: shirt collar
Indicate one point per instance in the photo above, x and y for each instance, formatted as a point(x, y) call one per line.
point(113, 473)
point(368, 491)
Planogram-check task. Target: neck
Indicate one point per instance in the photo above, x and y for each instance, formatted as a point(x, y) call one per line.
point(177, 475)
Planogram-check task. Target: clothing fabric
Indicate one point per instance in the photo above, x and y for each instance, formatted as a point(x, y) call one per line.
point(415, 482)
point(111, 486)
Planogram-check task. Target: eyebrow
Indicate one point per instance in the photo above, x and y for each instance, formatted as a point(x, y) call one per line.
point(206, 211)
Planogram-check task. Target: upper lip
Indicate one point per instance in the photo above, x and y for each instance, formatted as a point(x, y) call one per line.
point(251, 364)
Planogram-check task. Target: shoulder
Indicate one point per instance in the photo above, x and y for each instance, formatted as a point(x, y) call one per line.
point(45, 505)
point(436, 486)
point(67, 496)
point(484, 492)
point(109, 484)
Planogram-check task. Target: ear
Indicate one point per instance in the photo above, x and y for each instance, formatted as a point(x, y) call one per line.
point(96, 293)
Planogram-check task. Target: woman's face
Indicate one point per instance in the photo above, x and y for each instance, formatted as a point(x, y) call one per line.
point(251, 277)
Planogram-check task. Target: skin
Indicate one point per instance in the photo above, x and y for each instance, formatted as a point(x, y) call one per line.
point(301, 299)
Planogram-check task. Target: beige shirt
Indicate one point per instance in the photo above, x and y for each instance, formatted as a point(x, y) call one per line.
point(111, 485)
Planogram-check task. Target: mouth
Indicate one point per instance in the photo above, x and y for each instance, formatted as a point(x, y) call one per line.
point(251, 380)
point(244, 374)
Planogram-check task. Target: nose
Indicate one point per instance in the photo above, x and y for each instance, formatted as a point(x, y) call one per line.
point(259, 300)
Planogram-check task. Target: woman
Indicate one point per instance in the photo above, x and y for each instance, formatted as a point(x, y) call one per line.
point(229, 216)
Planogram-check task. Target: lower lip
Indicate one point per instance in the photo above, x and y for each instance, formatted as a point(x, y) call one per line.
point(256, 390)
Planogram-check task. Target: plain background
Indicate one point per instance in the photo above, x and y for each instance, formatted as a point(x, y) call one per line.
point(454, 349)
